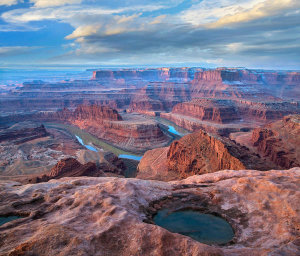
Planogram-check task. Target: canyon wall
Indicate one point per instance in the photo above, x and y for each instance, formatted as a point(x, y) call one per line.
point(279, 141)
point(219, 111)
point(163, 74)
point(137, 134)
point(226, 116)
point(198, 153)
point(19, 136)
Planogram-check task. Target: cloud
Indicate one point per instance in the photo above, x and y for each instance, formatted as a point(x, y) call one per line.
point(83, 31)
point(213, 13)
point(8, 2)
point(15, 50)
point(158, 19)
point(260, 10)
point(225, 32)
point(50, 3)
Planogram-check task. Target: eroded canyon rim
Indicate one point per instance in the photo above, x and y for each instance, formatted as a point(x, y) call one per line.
point(109, 216)
point(223, 142)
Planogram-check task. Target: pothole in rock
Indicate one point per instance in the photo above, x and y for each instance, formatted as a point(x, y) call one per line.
point(193, 215)
point(4, 220)
point(205, 228)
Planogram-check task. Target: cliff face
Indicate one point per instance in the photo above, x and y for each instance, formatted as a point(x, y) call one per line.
point(107, 124)
point(269, 111)
point(161, 74)
point(239, 75)
point(95, 112)
point(130, 135)
point(198, 153)
point(226, 116)
point(19, 136)
point(70, 167)
point(219, 111)
point(110, 216)
point(82, 112)
point(280, 141)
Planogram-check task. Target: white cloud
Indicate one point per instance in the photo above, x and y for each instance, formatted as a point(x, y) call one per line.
point(83, 31)
point(213, 13)
point(259, 10)
point(50, 3)
point(8, 2)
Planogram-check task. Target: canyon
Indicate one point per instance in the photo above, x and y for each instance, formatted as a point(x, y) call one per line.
point(135, 133)
point(222, 142)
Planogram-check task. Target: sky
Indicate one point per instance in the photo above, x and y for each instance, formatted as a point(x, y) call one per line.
point(207, 33)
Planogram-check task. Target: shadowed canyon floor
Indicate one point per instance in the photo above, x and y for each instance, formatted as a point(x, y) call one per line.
point(113, 216)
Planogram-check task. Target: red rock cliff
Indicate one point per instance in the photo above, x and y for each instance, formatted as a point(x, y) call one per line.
point(198, 153)
point(219, 111)
point(280, 141)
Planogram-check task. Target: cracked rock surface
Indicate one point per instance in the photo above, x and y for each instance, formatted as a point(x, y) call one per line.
point(112, 216)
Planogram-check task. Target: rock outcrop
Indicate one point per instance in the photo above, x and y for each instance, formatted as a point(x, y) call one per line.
point(198, 153)
point(135, 134)
point(96, 113)
point(226, 116)
point(266, 111)
point(111, 216)
point(19, 136)
point(157, 74)
point(218, 111)
point(279, 141)
point(70, 167)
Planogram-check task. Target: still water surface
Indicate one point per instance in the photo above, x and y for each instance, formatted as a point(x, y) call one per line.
point(205, 228)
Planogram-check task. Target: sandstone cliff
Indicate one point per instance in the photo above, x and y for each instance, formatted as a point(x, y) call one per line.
point(198, 153)
point(280, 141)
point(158, 74)
point(135, 134)
point(219, 111)
point(19, 136)
point(110, 216)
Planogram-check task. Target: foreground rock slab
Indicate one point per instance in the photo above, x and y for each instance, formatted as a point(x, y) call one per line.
point(112, 216)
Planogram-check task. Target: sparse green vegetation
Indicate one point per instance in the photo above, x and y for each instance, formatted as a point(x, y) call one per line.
point(87, 137)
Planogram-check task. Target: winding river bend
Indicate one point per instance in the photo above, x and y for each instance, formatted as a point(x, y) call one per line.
point(86, 146)
point(89, 147)
point(173, 130)
point(94, 144)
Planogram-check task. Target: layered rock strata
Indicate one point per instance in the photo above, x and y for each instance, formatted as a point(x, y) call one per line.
point(198, 153)
point(218, 111)
point(279, 141)
point(136, 134)
point(110, 216)
point(69, 167)
point(19, 136)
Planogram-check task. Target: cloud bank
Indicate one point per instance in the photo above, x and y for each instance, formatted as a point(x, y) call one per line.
point(262, 33)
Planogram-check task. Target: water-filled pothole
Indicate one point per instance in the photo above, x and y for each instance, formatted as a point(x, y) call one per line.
point(205, 228)
point(4, 220)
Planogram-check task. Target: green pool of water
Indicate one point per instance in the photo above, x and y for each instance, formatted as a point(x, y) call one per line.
point(4, 220)
point(205, 228)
